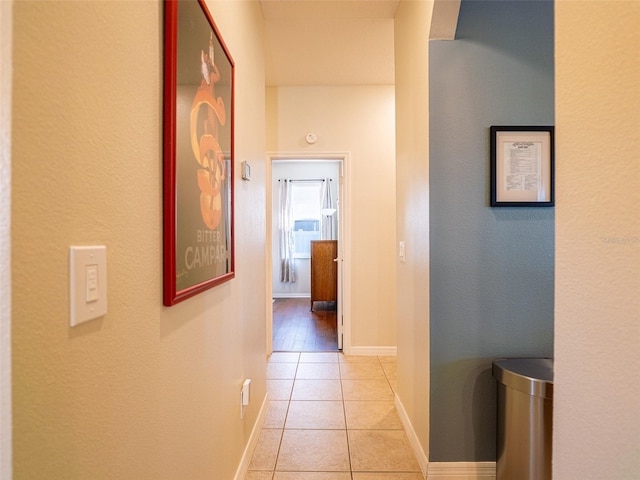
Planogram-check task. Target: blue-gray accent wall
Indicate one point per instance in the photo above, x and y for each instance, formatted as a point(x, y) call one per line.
point(492, 269)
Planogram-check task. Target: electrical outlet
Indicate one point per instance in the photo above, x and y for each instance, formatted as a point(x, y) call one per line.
point(245, 395)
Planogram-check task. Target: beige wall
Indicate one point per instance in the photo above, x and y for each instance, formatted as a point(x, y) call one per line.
point(358, 120)
point(146, 392)
point(412, 137)
point(597, 311)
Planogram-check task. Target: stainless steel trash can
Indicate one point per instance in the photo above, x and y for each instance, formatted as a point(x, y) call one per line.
point(525, 412)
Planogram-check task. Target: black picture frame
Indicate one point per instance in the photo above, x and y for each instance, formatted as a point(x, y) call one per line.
point(522, 166)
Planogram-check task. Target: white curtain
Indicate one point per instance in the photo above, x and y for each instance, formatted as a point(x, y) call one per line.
point(285, 229)
point(328, 212)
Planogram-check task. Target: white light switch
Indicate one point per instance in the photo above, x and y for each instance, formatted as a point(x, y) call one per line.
point(92, 282)
point(87, 283)
point(401, 253)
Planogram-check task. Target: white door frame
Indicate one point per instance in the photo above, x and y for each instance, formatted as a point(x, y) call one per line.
point(6, 42)
point(344, 242)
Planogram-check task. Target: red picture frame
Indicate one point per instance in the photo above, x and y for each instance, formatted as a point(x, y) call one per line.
point(198, 189)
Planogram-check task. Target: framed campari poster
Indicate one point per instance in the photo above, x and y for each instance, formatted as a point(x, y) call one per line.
point(198, 153)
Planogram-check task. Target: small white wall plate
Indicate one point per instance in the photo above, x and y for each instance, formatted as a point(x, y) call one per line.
point(246, 171)
point(87, 283)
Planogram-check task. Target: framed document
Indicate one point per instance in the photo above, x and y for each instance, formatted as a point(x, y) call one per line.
point(522, 166)
point(198, 153)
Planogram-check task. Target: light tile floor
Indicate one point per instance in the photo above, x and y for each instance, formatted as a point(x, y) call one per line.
point(332, 417)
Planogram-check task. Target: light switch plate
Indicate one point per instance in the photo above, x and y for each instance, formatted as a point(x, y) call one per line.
point(401, 251)
point(246, 170)
point(87, 283)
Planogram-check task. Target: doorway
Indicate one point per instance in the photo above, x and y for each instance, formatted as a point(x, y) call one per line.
point(293, 322)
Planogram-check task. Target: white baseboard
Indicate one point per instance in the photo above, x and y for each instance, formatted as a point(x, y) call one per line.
point(443, 470)
point(241, 472)
point(461, 471)
point(390, 351)
point(291, 295)
point(411, 435)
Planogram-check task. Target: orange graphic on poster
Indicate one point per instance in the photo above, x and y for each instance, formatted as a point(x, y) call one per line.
point(207, 115)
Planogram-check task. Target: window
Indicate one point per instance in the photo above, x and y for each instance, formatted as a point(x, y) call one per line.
point(305, 231)
point(306, 212)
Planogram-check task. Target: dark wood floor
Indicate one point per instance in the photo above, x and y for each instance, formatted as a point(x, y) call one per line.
point(297, 329)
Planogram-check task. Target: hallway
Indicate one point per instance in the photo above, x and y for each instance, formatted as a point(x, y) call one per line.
point(332, 417)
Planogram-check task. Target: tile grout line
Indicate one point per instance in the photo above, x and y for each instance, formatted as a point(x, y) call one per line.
point(346, 426)
point(284, 424)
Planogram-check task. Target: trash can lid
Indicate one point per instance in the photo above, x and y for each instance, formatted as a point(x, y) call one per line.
point(533, 376)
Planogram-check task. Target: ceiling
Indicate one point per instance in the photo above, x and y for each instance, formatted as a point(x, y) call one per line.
point(327, 42)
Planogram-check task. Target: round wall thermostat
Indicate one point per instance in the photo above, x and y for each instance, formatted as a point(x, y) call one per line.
point(311, 138)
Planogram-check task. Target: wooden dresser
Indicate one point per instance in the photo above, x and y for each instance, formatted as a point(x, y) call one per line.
point(324, 271)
